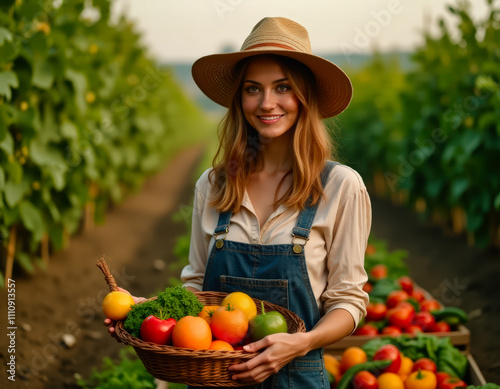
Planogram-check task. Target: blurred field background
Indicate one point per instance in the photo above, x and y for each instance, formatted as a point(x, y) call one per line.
point(96, 97)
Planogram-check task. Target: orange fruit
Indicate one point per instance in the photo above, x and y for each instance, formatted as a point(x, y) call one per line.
point(207, 312)
point(241, 301)
point(229, 324)
point(220, 345)
point(390, 381)
point(117, 304)
point(192, 332)
point(406, 366)
point(352, 356)
point(332, 365)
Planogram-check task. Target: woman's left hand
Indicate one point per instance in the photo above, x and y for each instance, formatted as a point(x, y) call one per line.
point(279, 350)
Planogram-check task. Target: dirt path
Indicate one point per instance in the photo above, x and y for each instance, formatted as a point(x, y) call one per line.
point(66, 299)
point(454, 273)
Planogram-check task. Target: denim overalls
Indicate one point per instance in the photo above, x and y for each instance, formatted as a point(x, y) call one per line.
point(278, 274)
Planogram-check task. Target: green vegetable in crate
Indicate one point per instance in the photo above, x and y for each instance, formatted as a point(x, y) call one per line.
point(447, 357)
point(373, 366)
point(383, 288)
point(451, 315)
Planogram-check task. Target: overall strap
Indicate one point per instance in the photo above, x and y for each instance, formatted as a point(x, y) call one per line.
point(223, 223)
point(306, 215)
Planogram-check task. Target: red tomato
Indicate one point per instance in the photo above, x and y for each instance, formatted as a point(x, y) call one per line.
point(379, 271)
point(430, 305)
point(441, 376)
point(366, 329)
point(368, 287)
point(392, 353)
point(418, 295)
point(425, 320)
point(400, 317)
point(395, 297)
point(375, 311)
point(406, 284)
point(413, 329)
point(441, 326)
point(406, 305)
point(424, 364)
point(156, 330)
point(364, 380)
point(391, 331)
point(452, 382)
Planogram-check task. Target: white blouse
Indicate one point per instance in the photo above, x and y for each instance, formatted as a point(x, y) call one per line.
point(334, 252)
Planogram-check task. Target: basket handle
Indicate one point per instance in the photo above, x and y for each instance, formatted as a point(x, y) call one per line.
point(110, 280)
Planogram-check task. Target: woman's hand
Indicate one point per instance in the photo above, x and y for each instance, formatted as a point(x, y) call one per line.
point(280, 349)
point(111, 323)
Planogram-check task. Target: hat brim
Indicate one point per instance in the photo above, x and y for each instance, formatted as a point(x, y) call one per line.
point(214, 74)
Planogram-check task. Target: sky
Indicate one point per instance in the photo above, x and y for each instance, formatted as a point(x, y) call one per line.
point(184, 30)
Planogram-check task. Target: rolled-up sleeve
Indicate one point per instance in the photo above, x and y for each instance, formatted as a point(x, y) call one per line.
point(194, 273)
point(346, 273)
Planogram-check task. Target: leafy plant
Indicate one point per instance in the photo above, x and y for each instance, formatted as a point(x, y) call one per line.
point(129, 373)
point(430, 137)
point(85, 116)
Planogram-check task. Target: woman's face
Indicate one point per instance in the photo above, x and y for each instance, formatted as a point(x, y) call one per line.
point(269, 104)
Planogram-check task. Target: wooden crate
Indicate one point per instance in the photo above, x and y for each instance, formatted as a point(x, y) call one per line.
point(474, 375)
point(459, 338)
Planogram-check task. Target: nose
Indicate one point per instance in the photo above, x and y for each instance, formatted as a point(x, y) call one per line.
point(267, 103)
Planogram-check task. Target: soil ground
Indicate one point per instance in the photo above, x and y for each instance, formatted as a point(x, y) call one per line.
point(66, 298)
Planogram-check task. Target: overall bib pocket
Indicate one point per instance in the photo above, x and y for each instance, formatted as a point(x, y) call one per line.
point(271, 290)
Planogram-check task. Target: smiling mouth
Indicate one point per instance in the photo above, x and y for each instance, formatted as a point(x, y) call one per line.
point(270, 118)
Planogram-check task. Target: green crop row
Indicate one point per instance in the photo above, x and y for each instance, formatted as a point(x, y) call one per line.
point(85, 116)
point(429, 137)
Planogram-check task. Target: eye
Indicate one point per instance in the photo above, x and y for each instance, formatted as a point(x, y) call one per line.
point(251, 89)
point(282, 88)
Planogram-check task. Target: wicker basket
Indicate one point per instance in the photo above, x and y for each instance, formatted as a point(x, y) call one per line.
point(198, 367)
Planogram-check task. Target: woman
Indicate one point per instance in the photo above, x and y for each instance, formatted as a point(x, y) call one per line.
point(274, 218)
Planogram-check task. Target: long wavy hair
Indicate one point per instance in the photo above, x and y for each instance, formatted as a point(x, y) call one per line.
point(239, 144)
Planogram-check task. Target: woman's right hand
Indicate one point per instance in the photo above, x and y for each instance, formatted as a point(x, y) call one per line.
point(111, 323)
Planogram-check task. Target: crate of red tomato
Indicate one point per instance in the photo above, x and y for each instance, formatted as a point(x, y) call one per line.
point(424, 361)
point(399, 306)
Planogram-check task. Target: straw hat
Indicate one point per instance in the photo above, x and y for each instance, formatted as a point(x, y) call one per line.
point(214, 73)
